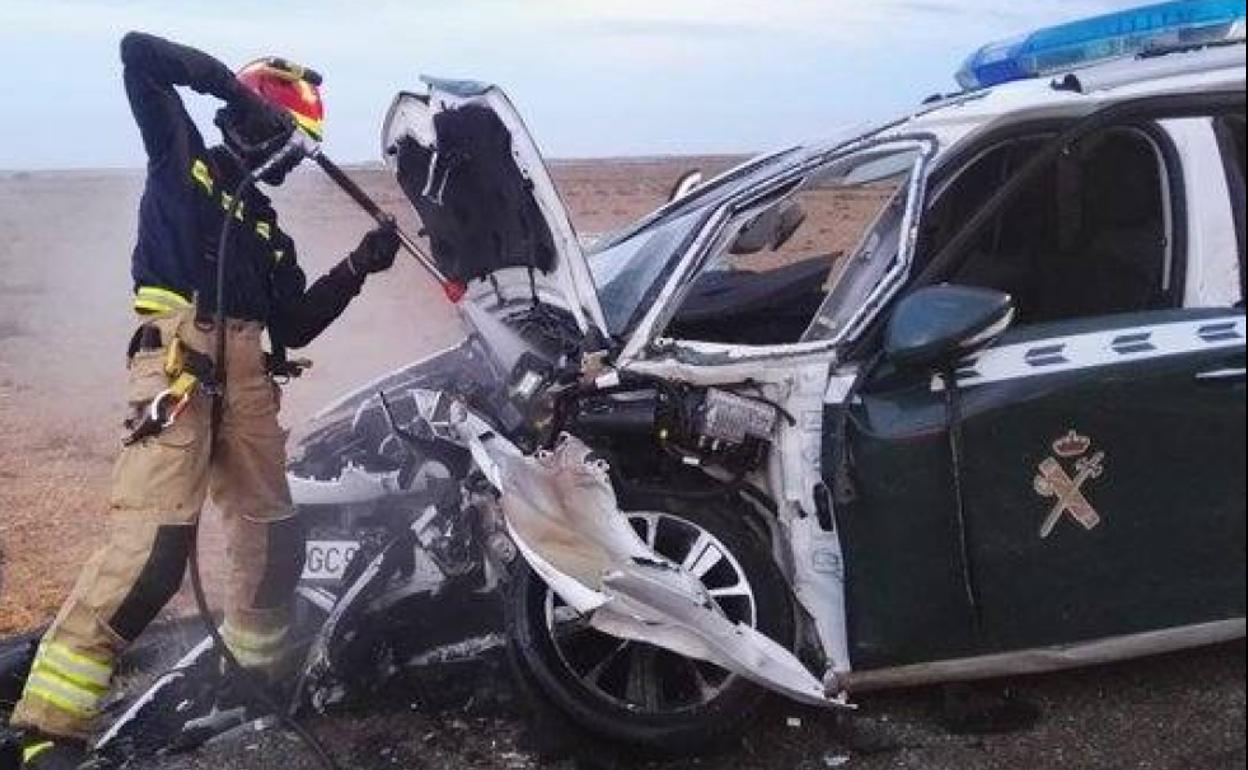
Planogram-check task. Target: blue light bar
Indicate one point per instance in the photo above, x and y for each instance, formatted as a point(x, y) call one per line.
point(1126, 33)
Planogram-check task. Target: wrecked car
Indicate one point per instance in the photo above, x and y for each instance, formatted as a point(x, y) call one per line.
point(996, 429)
point(1002, 432)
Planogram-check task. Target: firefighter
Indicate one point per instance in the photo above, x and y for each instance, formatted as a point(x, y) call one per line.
point(163, 475)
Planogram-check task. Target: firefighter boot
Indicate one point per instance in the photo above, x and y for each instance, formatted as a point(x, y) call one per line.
point(42, 752)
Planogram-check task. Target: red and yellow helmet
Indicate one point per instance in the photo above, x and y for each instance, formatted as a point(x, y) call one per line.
point(288, 85)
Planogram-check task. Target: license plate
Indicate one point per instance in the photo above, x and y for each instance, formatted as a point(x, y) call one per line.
point(328, 559)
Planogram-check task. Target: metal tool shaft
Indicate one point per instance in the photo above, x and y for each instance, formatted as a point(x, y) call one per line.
point(382, 217)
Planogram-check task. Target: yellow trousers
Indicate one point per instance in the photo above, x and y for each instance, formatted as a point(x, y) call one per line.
point(159, 486)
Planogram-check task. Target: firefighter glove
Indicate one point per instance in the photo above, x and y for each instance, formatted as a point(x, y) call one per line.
point(376, 251)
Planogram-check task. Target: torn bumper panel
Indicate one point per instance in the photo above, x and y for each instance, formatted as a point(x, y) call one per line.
point(562, 512)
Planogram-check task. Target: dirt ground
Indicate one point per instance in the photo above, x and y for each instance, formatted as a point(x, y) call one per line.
point(64, 322)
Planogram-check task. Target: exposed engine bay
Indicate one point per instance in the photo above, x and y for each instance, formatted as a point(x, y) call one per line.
point(726, 428)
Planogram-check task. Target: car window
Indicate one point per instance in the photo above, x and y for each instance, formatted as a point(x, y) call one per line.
point(629, 266)
point(1092, 235)
point(959, 195)
point(706, 194)
point(775, 267)
point(1233, 128)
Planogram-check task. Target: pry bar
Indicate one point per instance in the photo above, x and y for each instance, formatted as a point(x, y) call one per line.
point(453, 289)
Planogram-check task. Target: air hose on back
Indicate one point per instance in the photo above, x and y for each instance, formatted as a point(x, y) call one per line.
point(250, 682)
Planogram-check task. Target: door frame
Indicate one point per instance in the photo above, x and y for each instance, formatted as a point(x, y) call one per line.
point(641, 343)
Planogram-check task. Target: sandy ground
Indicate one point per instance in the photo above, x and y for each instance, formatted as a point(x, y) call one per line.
point(64, 322)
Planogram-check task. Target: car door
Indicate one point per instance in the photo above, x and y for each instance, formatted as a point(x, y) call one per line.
point(889, 463)
point(1104, 483)
point(1104, 450)
point(1099, 479)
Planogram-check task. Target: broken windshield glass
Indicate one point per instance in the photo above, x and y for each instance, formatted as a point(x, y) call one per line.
point(626, 271)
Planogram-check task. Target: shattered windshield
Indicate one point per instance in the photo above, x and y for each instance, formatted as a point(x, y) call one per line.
point(626, 271)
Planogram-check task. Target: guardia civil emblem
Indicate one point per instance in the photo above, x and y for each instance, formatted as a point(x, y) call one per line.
point(1063, 476)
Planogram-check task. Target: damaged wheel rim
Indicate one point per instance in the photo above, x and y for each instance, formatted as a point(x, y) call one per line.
point(642, 677)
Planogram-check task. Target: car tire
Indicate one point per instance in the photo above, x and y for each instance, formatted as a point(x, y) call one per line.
point(659, 731)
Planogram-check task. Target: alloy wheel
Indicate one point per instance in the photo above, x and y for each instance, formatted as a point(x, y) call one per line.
point(642, 677)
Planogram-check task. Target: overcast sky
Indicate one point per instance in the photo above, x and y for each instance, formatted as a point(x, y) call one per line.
point(591, 77)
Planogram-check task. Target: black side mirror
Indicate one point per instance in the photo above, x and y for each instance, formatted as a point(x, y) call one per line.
point(936, 325)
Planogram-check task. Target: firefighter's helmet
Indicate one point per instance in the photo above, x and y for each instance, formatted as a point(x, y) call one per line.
point(291, 86)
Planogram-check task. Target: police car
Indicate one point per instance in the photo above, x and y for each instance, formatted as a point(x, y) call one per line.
point(998, 428)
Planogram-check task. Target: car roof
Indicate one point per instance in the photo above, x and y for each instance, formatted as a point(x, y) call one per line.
point(1064, 95)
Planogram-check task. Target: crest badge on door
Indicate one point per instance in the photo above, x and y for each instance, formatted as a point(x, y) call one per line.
point(1063, 477)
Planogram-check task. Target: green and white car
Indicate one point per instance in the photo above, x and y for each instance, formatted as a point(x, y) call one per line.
point(998, 428)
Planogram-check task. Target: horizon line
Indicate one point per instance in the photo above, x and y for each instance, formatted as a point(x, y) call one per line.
point(371, 165)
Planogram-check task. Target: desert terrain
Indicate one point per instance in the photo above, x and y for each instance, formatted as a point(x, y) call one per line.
point(65, 239)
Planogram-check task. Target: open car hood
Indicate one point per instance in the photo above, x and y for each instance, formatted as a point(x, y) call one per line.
point(484, 196)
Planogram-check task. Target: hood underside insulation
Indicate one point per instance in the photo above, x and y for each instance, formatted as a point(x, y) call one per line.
point(475, 204)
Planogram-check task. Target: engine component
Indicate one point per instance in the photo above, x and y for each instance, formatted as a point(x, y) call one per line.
point(631, 414)
point(725, 416)
point(502, 547)
point(527, 408)
point(715, 427)
point(718, 427)
point(701, 426)
point(447, 531)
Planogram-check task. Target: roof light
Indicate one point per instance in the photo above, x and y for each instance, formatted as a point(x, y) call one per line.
point(1114, 35)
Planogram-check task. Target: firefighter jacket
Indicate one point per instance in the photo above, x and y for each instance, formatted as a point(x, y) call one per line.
point(186, 197)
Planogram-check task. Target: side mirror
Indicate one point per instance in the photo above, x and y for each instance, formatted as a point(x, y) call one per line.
point(688, 182)
point(936, 325)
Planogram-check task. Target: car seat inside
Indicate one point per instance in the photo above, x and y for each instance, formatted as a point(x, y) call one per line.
point(1088, 237)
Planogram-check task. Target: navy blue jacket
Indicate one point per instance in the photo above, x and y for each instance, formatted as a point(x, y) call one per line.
point(187, 193)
